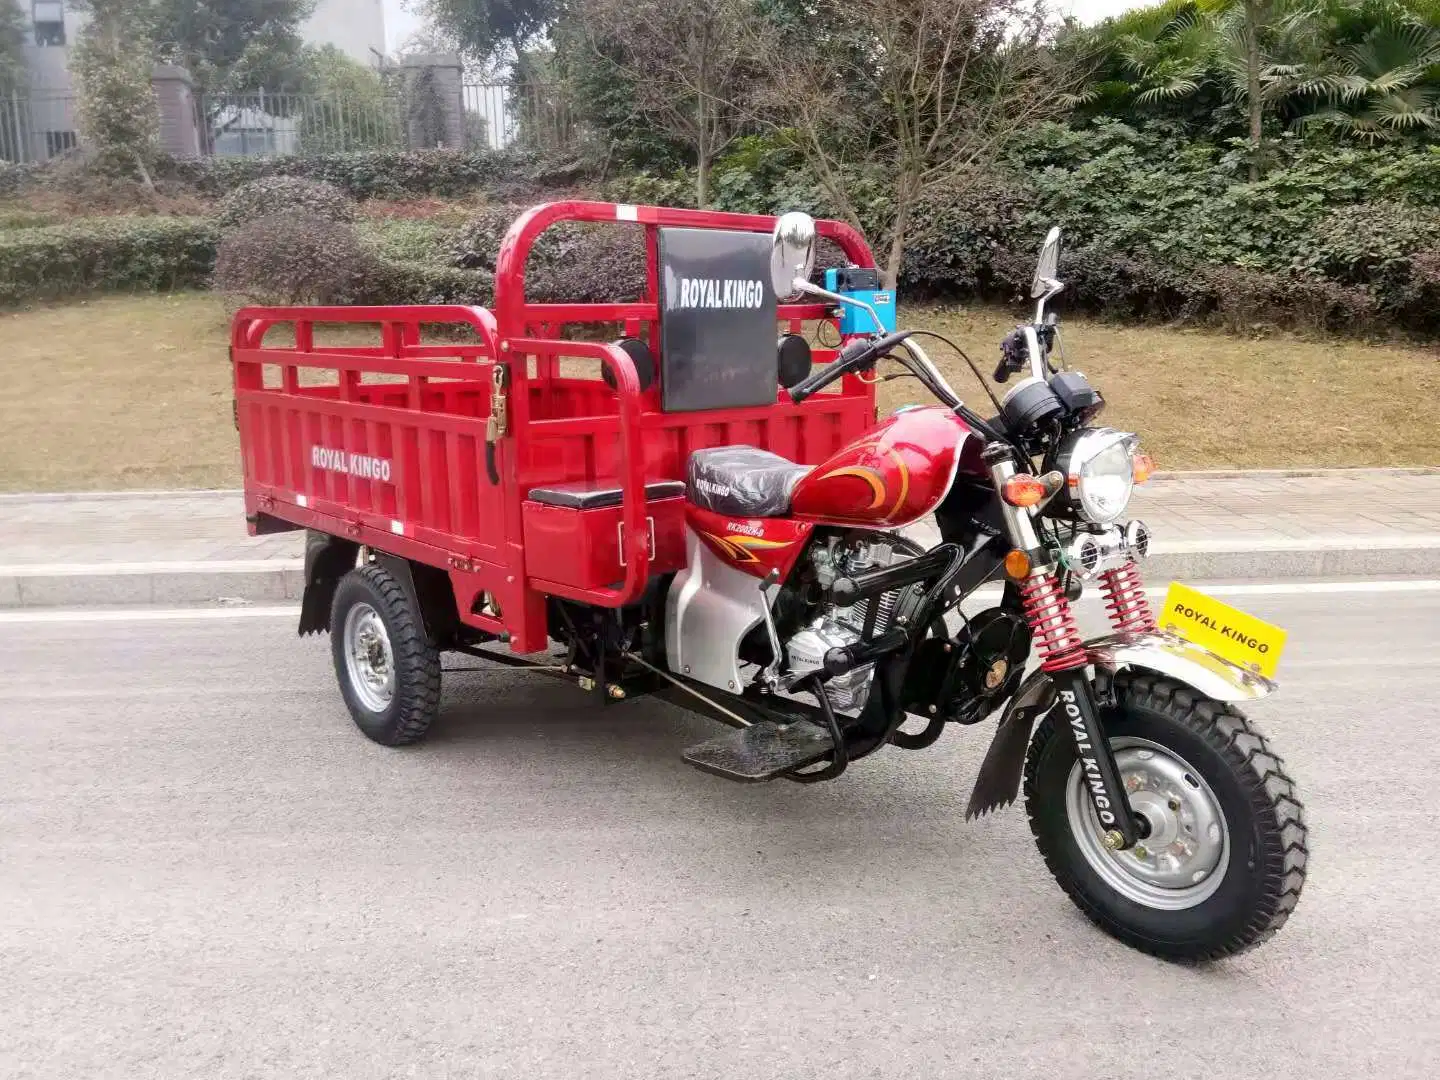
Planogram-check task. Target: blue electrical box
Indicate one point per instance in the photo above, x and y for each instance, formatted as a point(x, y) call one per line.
point(863, 285)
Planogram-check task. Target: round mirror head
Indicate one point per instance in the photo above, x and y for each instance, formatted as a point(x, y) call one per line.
point(1049, 264)
point(792, 252)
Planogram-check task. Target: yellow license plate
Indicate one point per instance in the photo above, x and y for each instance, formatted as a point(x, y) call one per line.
point(1230, 634)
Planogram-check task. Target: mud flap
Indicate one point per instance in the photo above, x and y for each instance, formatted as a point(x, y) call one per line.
point(327, 559)
point(998, 783)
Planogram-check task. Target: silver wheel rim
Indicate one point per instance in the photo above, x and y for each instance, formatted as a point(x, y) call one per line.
point(1182, 862)
point(369, 659)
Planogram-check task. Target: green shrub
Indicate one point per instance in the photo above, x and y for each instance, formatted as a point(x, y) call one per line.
point(389, 174)
point(1246, 300)
point(1372, 245)
point(399, 281)
point(115, 254)
point(291, 257)
point(579, 263)
point(18, 217)
point(407, 240)
point(284, 194)
point(15, 178)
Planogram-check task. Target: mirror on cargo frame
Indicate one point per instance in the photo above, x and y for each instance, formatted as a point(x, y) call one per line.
point(792, 253)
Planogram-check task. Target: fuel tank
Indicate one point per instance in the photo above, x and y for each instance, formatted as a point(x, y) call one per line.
point(895, 474)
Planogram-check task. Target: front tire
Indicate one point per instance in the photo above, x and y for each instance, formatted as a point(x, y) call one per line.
point(1224, 862)
point(389, 672)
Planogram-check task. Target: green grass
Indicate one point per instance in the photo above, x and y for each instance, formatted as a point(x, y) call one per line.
point(134, 392)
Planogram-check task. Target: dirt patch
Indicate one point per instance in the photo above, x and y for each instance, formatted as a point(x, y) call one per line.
point(1202, 399)
point(135, 392)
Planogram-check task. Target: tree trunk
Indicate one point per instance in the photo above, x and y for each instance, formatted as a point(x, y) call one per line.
point(702, 162)
point(702, 141)
point(1253, 15)
point(904, 201)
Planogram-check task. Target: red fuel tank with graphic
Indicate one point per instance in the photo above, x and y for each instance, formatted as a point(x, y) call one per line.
point(895, 474)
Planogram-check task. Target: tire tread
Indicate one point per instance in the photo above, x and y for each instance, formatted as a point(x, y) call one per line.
point(417, 662)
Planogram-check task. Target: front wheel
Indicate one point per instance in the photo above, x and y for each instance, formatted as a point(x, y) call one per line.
point(1222, 857)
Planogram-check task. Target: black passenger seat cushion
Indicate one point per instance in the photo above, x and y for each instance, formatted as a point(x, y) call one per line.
point(743, 481)
point(592, 494)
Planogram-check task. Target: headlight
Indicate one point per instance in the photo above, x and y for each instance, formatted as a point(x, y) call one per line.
point(1099, 469)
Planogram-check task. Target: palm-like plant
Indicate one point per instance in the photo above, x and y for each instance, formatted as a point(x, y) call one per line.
point(1385, 85)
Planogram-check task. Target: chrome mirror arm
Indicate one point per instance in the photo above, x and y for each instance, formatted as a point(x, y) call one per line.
point(802, 285)
point(1053, 288)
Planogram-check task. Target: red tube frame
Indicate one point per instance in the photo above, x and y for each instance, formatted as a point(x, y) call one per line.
point(515, 331)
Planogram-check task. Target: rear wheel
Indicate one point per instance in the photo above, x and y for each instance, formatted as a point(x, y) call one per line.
point(1222, 857)
point(389, 673)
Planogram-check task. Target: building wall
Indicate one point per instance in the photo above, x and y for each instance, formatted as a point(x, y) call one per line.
point(356, 27)
point(49, 64)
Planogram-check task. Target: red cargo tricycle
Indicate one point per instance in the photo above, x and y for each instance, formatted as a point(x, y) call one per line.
point(690, 496)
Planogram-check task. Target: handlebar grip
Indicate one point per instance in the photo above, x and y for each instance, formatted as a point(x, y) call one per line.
point(1002, 371)
point(850, 355)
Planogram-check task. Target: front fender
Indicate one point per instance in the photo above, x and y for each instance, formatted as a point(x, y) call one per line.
point(998, 782)
point(1166, 654)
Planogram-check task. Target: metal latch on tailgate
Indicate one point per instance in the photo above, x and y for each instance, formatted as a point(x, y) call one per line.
point(498, 426)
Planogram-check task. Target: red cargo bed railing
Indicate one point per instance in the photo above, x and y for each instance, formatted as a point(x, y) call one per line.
point(331, 417)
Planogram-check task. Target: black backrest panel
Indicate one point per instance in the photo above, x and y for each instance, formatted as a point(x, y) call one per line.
point(717, 320)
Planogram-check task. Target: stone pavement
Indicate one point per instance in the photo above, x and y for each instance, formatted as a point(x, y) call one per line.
point(190, 547)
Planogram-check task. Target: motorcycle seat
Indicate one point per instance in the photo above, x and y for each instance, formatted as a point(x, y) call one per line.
point(742, 481)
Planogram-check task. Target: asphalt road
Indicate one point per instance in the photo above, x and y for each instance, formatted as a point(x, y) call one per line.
point(206, 871)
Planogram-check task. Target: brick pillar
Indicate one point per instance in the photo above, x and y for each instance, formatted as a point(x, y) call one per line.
point(434, 100)
point(179, 112)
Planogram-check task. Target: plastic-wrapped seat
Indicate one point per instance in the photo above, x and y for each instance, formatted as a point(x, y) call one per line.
point(742, 481)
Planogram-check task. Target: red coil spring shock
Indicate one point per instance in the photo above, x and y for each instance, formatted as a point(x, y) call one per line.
point(1125, 600)
point(1057, 637)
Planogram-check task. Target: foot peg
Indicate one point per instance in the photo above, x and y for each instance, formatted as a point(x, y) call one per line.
point(762, 752)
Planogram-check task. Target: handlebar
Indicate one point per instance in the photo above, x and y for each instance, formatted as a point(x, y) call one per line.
point(853, 357)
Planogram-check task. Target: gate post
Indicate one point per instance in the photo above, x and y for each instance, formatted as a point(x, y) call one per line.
point(179, 112)
point(434, 101)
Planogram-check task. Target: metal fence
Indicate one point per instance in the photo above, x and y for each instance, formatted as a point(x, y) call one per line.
point(37, 125)
point(40, 124)
point(501, 115)
point(266, 124)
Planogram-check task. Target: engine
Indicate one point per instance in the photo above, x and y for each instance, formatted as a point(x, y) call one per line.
point(825, 625)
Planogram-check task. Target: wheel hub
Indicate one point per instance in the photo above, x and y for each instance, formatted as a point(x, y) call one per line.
point(369, 660)
point(1180, 861)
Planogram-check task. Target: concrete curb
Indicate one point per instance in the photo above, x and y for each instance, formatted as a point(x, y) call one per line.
point(272, 581)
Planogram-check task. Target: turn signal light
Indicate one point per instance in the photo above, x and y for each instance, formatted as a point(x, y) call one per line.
point(1017, 565)
point(1022, 489)
point(1144, 465)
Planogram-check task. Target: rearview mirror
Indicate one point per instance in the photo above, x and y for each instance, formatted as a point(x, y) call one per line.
point(1049, 264)
point(792, 252)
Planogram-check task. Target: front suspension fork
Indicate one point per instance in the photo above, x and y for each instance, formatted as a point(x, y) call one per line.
point(1063, 657)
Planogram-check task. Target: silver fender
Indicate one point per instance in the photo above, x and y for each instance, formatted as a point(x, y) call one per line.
point(1166, 654)
point(998, 782)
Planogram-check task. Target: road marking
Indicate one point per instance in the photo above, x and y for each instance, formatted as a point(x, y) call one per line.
point(216, 566)
point(1264, 588)
point(23, 616)
point(125, 615)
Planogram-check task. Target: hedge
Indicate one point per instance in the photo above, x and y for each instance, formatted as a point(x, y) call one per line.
point(114, 254)
point(367, 175)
